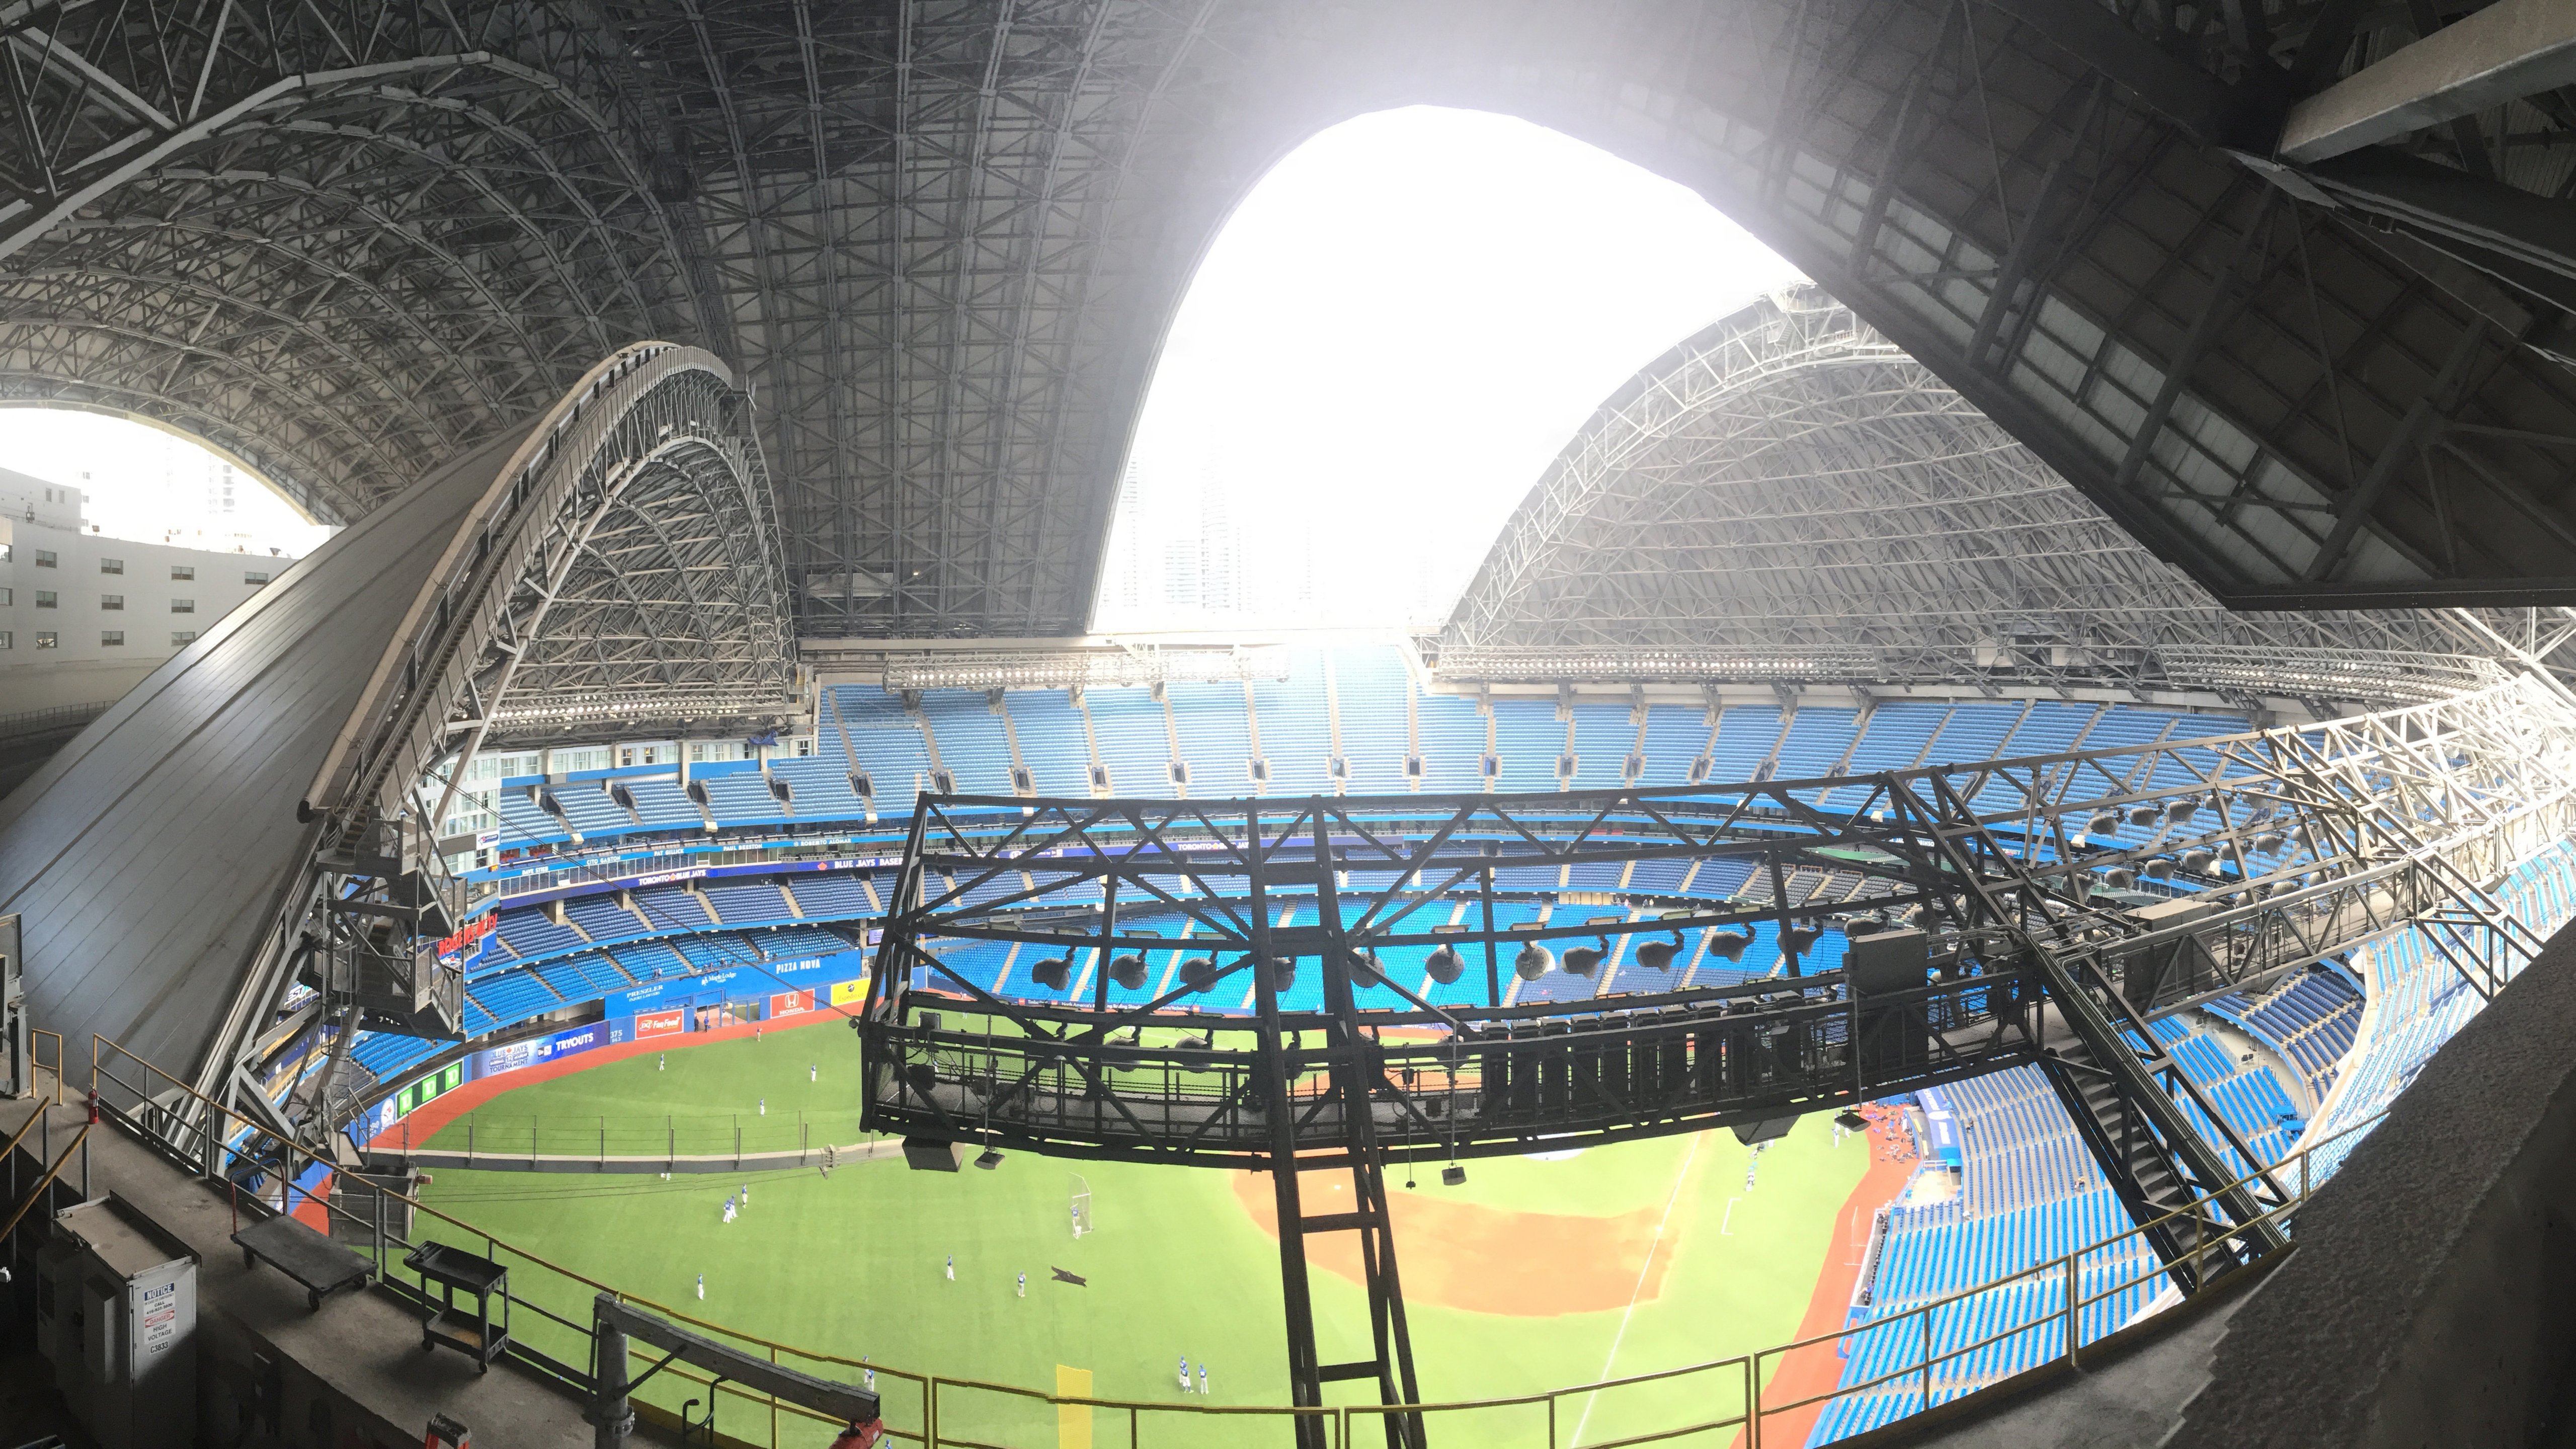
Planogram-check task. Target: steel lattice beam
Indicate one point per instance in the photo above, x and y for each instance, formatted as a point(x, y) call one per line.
point(941, 239)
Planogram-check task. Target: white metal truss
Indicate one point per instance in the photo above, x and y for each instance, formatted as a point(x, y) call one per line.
point(939, 239)
point(1790, 496)
point(621, 565)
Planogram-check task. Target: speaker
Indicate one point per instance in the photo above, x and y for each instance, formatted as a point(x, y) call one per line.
point(929, 1154)
point(1894, 960)
point(1766, 1130)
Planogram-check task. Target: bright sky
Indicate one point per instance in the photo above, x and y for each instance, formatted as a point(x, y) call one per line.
point(143, 483)
point(1397, 332)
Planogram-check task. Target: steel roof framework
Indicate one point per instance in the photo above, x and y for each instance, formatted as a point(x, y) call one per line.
point(941, 241)
point(620, 567)
point(1790, 495)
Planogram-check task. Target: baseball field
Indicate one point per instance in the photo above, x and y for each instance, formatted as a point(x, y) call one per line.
point(1536, 1274)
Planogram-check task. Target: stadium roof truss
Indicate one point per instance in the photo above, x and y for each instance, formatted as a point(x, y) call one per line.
point(621, 566)
point(1789, 495)
point(940, 239)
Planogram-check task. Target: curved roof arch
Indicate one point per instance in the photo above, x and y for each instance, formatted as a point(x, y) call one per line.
point(1789, 495)
point(611, 559)
point(942, 246)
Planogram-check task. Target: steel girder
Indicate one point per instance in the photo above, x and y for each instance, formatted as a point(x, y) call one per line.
point(2291, 844)
point(942, 239)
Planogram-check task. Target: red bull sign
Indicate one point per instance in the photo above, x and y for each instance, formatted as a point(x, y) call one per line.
point(467, 945)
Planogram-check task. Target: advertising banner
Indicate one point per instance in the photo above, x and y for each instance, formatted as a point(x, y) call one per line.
point(791, 1003)
point(668, 876)
point(661, 1023)
point(528, 1053)
point(467, 945)
point(849, 993)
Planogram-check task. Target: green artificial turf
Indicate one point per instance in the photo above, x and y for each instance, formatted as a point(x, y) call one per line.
point(857, 1263)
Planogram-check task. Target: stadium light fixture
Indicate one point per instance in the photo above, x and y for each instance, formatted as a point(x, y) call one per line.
point(989, 1158)
point(1851, 1121)
point(1453, 1176)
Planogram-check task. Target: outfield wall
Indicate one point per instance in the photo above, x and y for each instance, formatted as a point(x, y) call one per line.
point(677, 1008)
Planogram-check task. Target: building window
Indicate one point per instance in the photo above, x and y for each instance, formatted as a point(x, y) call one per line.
point(183, 606)
point(7, 597)
point(5, 640)
point(183, 573)
point(45, 639)
point(111, 565)
point(8, 551)
point(111, 638)
point(45, 599)
point(111, 601)
point(182, 636)
point(45, 558)
point(254, 579)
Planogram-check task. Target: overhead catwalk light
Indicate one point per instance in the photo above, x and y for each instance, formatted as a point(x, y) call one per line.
point(1128, 970)
point(2145, 814)
point(2103, 824)
point(2160, 870)
point(1728, 945)
point(2267, 843)
point(1366, 969)
point(2198, 860)
point(1533, 962)
point(1198, 973)
point(989, 1158)
point(1444, 965)
point(2180, 812)
point(1051, 973)
point(1584, 960)
point(1658, 955)
point(1801, 937)
point(1851, 1121)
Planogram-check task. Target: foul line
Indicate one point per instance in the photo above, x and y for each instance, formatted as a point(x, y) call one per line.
point(1642, 1269)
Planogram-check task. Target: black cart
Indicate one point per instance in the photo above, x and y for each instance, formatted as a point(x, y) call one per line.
point(469, 1330)
point(318, 1265)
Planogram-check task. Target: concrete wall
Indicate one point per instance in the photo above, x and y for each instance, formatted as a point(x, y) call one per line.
point(2432, 1298)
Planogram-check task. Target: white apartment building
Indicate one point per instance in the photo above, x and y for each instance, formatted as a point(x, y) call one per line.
point(84, 617)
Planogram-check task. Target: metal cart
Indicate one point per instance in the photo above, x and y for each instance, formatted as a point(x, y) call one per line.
point(469, 1330)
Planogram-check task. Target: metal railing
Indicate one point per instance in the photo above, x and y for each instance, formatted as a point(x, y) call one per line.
point(20, 723)
point(634, 1140)
point(946, 1412)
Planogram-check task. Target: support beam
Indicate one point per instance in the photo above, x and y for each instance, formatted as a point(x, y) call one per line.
point(2509, 50)
point(2179, 91)
point(2536, 230)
